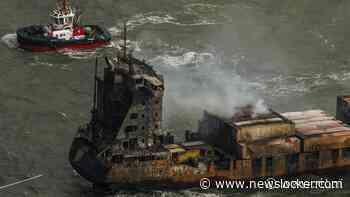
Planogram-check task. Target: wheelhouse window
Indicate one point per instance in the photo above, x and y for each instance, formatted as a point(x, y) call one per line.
point(133, 143)
point(292, 163)
point(134, 116)
point(346, 153)
point(117, 158)
point(257, 166)
point(269, 165)
point(68, 20)
point(126, 144)
point(130, 129)
point(139, 81)
point(335, 155)
point(312, 160)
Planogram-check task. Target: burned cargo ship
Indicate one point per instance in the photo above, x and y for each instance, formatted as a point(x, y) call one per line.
point(124, 144)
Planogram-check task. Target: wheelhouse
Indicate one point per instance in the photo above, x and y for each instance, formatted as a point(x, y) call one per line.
point(63, 18)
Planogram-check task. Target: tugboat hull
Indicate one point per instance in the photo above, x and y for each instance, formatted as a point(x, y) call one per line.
point(32, 39)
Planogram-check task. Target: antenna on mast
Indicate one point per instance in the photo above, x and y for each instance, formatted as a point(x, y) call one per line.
point(64, 6)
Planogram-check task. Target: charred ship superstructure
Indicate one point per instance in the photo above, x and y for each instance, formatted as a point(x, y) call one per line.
point(124, 144)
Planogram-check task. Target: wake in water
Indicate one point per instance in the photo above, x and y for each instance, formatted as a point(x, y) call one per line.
point(10, 40)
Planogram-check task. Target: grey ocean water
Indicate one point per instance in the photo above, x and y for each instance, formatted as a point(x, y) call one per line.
point(215, 54)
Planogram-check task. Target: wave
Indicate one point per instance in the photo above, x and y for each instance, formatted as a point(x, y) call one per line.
point(150, 18)
point(286, 85)
point(187, 59)
point(37, 61)
point(83, 54)
point(156, 18)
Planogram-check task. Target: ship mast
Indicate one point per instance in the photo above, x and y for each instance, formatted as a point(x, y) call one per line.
point(125, 39)
point(95, 86)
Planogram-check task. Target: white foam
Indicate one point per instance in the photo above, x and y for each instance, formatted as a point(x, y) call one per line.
point(150, 18)
point(283, 85)
point(159, 18)
point(10, 40)
point(38, 62)
point(186, 59)
point(131, 45)
point(114, 31)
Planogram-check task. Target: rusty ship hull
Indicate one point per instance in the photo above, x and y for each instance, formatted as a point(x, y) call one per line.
point(164, 174)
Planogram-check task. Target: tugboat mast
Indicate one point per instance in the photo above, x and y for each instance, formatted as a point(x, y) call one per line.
point(65, 6)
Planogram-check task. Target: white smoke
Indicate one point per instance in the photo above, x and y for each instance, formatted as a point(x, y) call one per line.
point(209, 86)
point(260, 108)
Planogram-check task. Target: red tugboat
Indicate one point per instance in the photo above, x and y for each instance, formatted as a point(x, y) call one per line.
point(64, 32)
